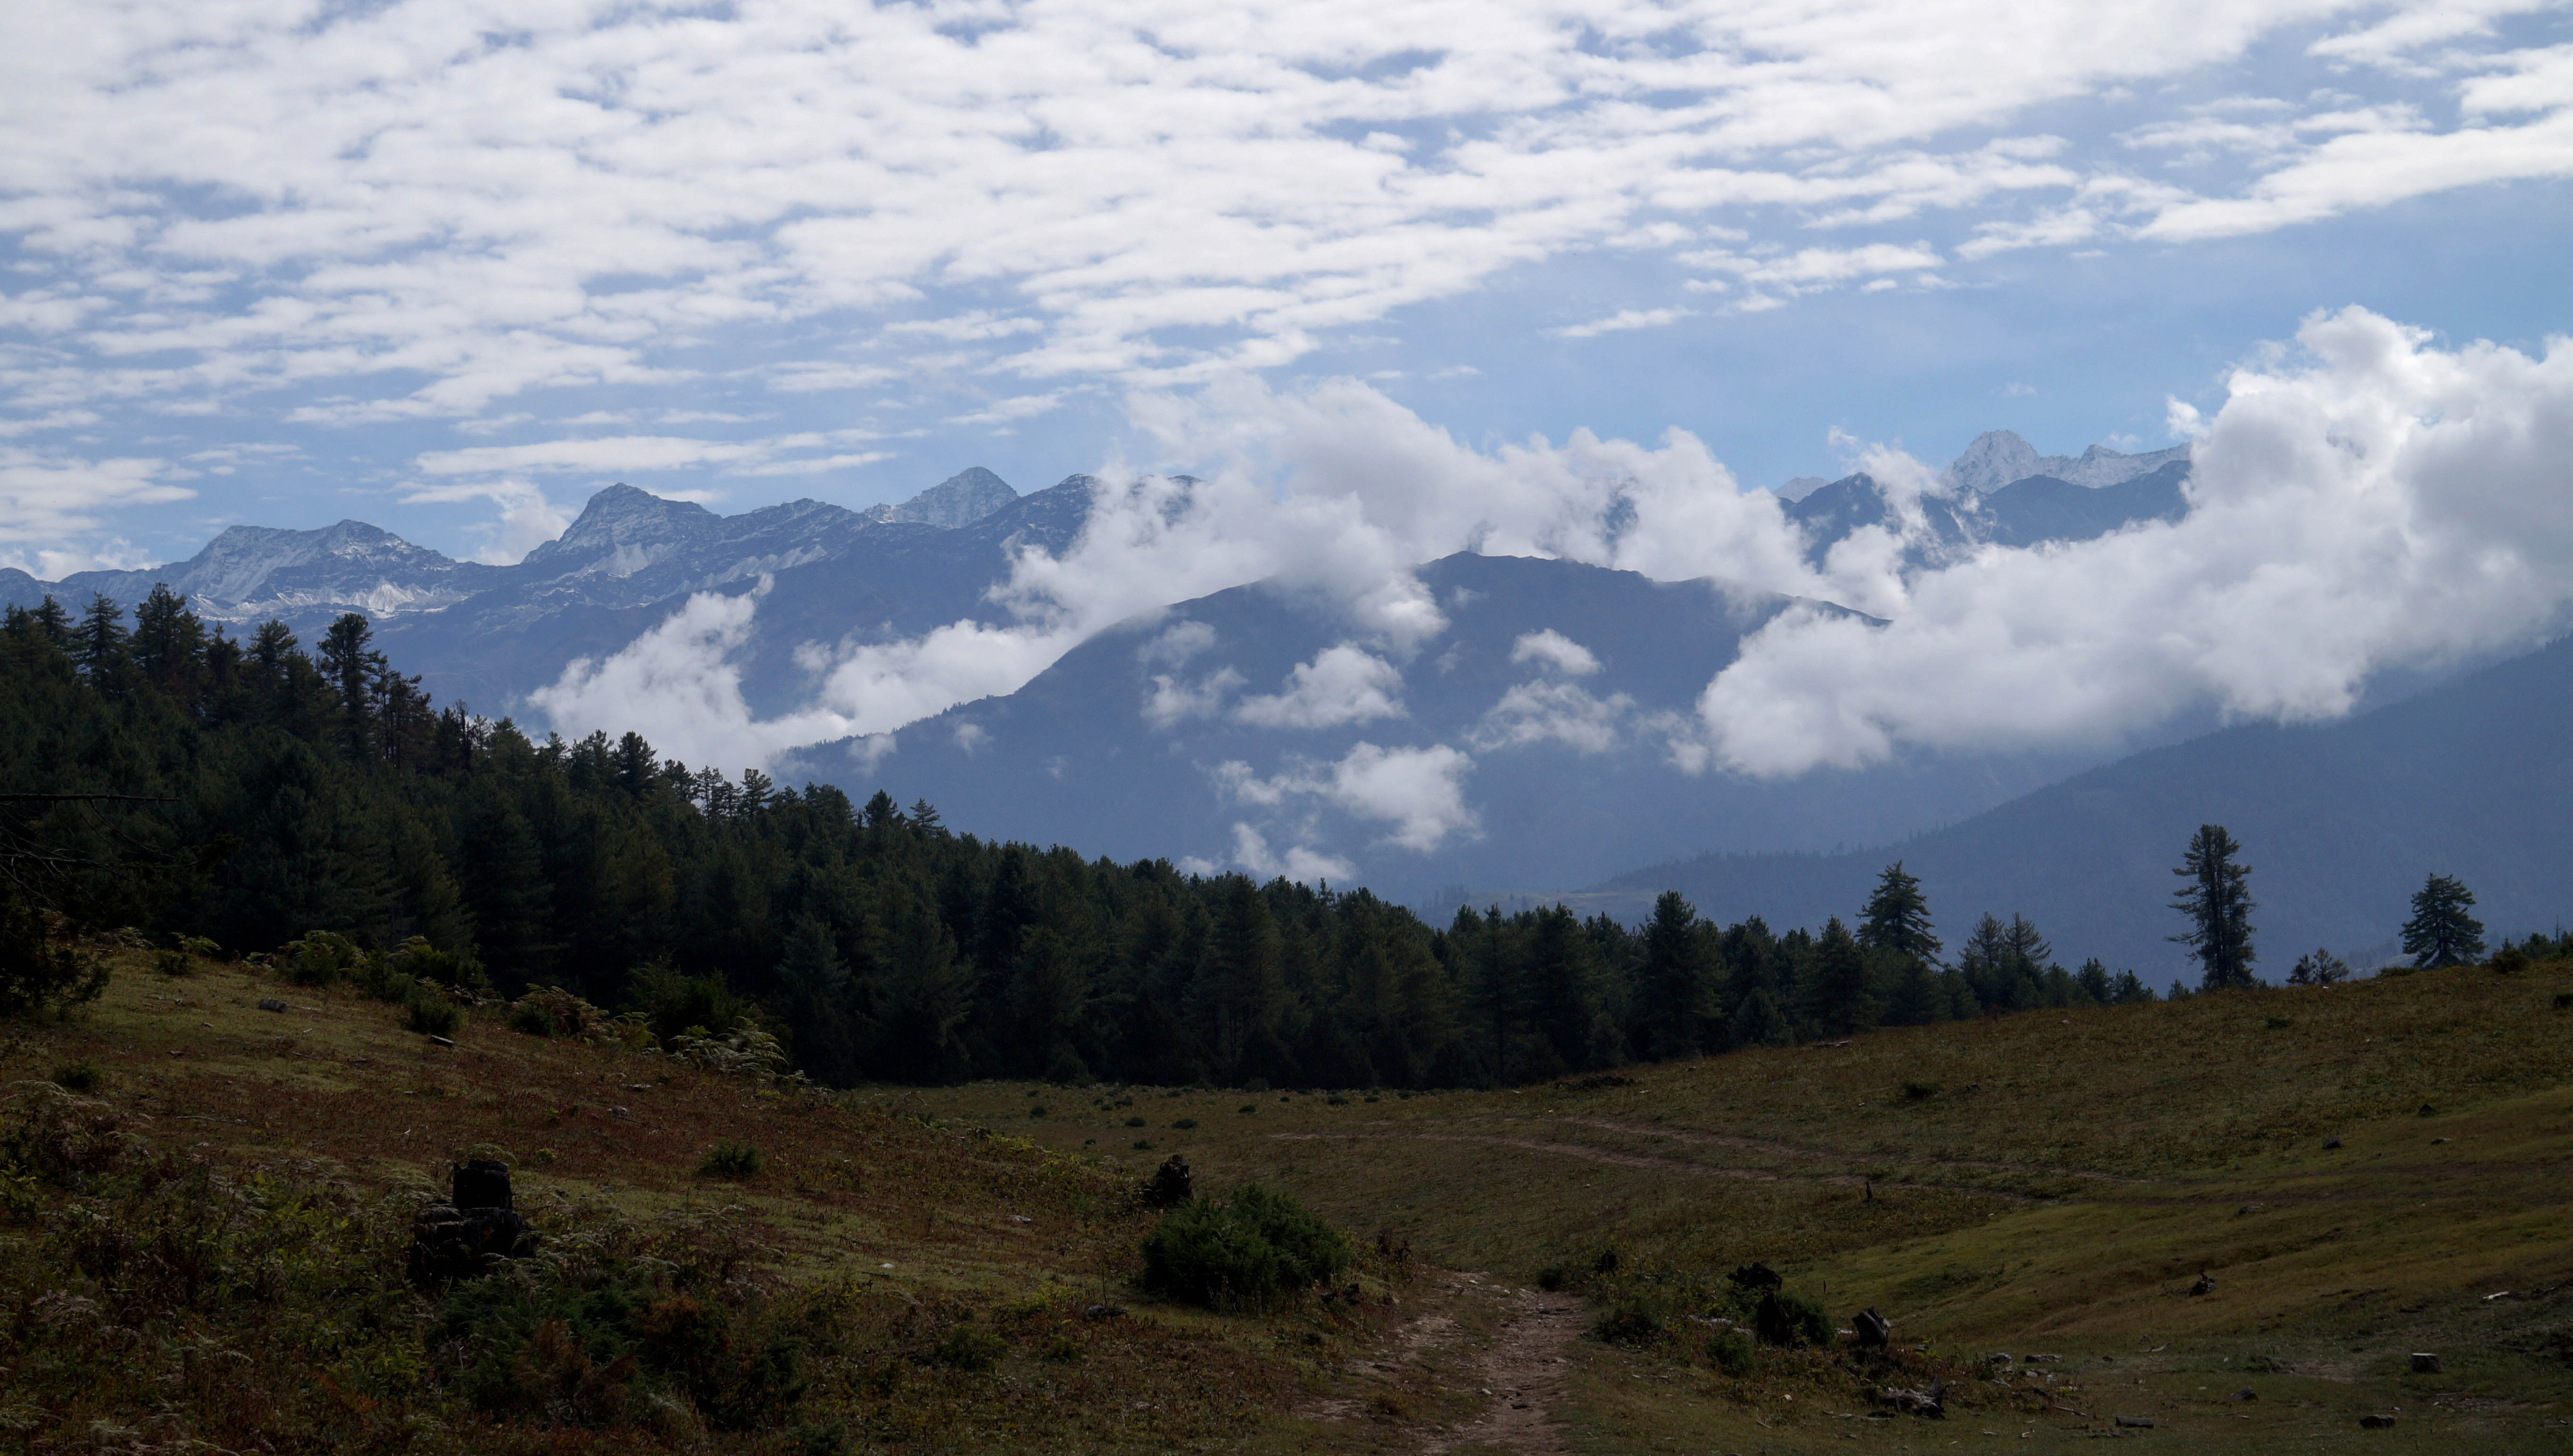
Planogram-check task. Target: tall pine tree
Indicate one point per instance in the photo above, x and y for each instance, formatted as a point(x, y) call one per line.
point(2216, 895)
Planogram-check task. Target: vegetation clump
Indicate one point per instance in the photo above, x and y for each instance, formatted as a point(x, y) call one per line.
point(1251, 1250)
point(734, 1160)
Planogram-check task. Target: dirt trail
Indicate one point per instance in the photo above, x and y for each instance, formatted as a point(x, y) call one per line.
point(1686, 1167)
point(1528, 1369)
point(1790, 1149)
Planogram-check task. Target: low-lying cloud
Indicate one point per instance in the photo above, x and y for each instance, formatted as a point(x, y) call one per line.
point(2365, 501)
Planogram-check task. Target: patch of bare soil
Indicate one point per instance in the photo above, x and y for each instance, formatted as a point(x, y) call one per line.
point(1525, 1369)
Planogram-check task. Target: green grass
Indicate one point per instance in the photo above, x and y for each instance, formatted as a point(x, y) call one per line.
point(2051, 1183)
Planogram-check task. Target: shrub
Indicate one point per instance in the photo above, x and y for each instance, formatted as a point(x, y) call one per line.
point(1636, 1319)
point(319, 959)
point(34, 972)
point(1184, 1124)
point(1788, 1318)
point(1250, 1109)
point(676, 1006)
point(77, 1077)
point(425, 961)
point(528, 1018)
point(1137, 1122)
point(1553, 1278)
point(173, 964)
point(731, 1160)
point(1730, 1351)
point(1919, 1092)
point(964, 1347)
point(430, 1013)
point(1248, 1252)
point(2510, 961)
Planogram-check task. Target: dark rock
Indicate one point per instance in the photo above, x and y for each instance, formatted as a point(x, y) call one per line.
point(1932, 1402)
point(2331, 1142)
point(1171, 1185)
point(2424, 1364)
point(1757, 1277)
point(1873, 1331)
point(1104, 1311)
point(2205, 1285)
point(2136, 1423)
point(481, 1183)
point(270, 1003)
point(2428, 1111)
point(1771, 1321)
point(2246, 1393)
point(449, 1244)
point(2376, 1423)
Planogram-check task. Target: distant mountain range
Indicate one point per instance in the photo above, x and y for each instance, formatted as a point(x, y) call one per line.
point(490, 635)
point(2341, 822)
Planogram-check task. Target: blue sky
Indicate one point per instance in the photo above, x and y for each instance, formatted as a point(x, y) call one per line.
point(450, 268)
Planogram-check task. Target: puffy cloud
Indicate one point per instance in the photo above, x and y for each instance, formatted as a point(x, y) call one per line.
point(1556, 651)
point(2377, 502)
point(1419, 792)
point(1341, 685)
point(526, 518)
point(1535, 712)
point(677, 687)
point(1251, 852)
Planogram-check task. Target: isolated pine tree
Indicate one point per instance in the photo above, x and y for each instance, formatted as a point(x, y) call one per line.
point(2216, 898)
point(2440, 933)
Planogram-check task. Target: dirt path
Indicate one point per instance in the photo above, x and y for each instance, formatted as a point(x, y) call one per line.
point(1790, 1149)
point(1526, 1371)
point(1686, 1167)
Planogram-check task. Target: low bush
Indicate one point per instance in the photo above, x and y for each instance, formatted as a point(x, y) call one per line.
point(174, 964)
point(676, 1006)
point(1250, 1250)
point(1730, 1351)
point(78, 1077)
point(731, 1160)
point(1785, 1318)
point(964, 1347)
point(430, 1013)
point(322, 958)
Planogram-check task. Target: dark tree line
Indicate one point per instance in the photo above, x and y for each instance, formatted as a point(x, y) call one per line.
point(322, 790)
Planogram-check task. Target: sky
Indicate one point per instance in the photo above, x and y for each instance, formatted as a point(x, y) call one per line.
point(450, 268)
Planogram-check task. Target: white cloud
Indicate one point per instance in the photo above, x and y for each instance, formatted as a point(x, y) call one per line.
point(526, 519)
point(677, 687)
point(1621, 321)
point(1560, 712)
point(390, 212)
point(47, 495)
point(1555, 650)
point(1173, 702)
point(1251, 853)
point(2376, 502)
point(1343, 684)
point(1419, 792)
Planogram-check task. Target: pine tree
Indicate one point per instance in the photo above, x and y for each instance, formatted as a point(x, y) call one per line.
point(2216, 898)
point(101, 649)
point(1898, 916)
point(2319, 968)
point(2440, 933)
point(1840, 1003)
point(169, 642)
point(1673, 980)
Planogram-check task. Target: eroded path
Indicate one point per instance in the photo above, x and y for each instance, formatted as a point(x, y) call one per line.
point(1525, 1369)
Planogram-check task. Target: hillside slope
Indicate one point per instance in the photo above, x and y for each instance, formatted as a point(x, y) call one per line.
point(2341, 822)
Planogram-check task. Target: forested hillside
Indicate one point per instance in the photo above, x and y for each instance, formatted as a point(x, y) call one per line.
point(285, 791)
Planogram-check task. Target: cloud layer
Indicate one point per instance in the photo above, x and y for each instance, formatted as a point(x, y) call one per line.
point(447, 214)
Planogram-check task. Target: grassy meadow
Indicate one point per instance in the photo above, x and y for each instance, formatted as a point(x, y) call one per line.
point(208, 1202)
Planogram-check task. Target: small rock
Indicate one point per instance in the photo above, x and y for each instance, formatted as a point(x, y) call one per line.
point(1932, 1402)
point(2331, 1143)
point(2246, 1393)
point(2428, 1111)
point(1021, 1218)
point(270, 1003)
point(442, 1040)
point(2424, 1364)
point(2136, 1423)
point(2040, 1359)
point(1997, 1360)
point(2205, 1285)
point(2375, 1422)
point(1095, 1311)
point(1873, 1331)
point(2249, 1209)
point(2435, 1141)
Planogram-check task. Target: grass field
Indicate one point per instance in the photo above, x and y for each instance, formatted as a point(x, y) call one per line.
point(2046, 1185)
